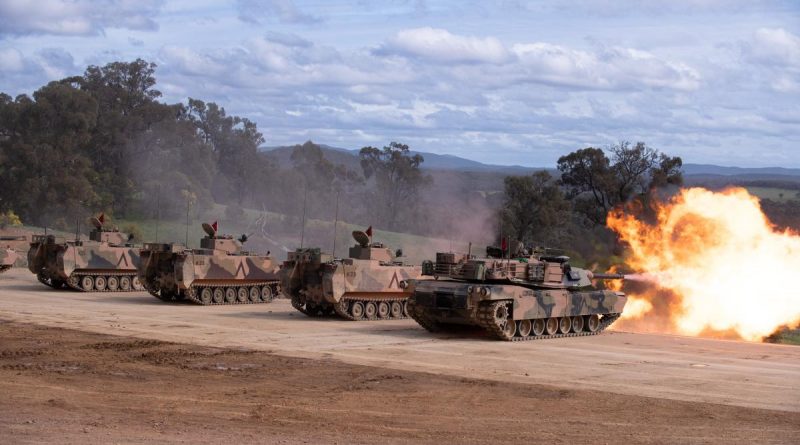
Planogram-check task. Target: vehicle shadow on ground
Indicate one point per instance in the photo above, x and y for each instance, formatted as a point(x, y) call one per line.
point(33, 287)
point(140, 298)
point(268, 314)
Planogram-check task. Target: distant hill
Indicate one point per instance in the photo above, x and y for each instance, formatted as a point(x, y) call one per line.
point(433, 161)
point(708, 169)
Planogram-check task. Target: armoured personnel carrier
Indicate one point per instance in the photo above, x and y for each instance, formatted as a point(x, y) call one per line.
point(105, 263)
point(369, 285)
point(523, 298)
point(219, 272)
point(7, 259)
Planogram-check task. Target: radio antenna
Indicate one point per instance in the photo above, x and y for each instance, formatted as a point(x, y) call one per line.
point(335, 224)
point(303, 229)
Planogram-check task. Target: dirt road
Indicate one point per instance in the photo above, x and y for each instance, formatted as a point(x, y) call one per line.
point(671, 367)
point(66, 386)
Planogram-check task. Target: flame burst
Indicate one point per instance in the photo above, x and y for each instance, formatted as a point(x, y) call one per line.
point(718, 265)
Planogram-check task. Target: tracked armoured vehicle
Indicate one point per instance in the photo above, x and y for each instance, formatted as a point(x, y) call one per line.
point(523, 298)
point(219, 272)
point(7, 259)
point(105, 263)
point(369, 285)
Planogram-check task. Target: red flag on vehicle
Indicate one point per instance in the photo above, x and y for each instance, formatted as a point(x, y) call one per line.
point(214, 226)
point(369, 232)
point(102, 218)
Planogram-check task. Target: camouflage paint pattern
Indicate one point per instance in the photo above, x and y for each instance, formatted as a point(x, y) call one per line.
point(498, 294)
point(57, 260)
point(321, 279)
point(458, 302)
point(170, 271)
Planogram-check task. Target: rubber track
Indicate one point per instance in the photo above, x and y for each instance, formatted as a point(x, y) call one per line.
point(193, 293)
point(486, 320)
point(341, 309)
point(76, 284)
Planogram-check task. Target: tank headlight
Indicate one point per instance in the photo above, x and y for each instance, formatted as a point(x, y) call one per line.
point(469, 290)
point(404, 284)
point(485, 291)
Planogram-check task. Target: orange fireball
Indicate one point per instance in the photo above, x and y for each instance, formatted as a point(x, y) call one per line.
point(726, 266)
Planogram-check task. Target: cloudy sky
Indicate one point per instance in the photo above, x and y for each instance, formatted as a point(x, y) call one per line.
point(505, 82)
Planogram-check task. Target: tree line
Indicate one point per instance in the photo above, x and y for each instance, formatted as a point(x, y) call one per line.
point(103, 141)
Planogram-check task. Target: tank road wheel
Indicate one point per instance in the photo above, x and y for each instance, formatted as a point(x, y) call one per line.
point(509, 329)
point(242, 295)
point(524, 328)
point(405, 309)
point(577, 323)
point(255, 294)
point(370, 309)
point(230, 295)
point(383, 309)
point(87, 283)
point(266, 293)
point(551, 326)
point(357, 310)
point(112, 283)
point(397, 309)
point(100, 283)
point(207, 295)
point(124, 284)
point(564, 325)
point(136, 283)
point(538, 327)
point(592, 323)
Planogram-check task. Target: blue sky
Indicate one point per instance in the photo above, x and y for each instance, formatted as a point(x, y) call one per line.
point(505, 82)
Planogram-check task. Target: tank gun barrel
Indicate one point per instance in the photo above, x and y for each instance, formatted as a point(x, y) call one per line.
point(608, 276)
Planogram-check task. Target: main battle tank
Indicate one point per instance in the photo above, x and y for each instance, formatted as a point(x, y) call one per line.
point(523, 298)
point(7, 259)
point(106, 262)
point(219, 272)
point(370, 284)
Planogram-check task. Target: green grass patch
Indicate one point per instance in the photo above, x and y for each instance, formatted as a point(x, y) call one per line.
point(775, 194)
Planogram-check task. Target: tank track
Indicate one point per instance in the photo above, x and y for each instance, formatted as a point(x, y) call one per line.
point(421, 318)
point(487, 322)
point(193, 293)
point(74, 281)
point(55, 284)
point(157, 293)
point(342, 308)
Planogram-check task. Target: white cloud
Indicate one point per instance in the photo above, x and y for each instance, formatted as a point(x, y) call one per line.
point(257, 11)
point(11, 60)
point(76, 17)
point(775, 47)
point(611, 68)
point(439, 45)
